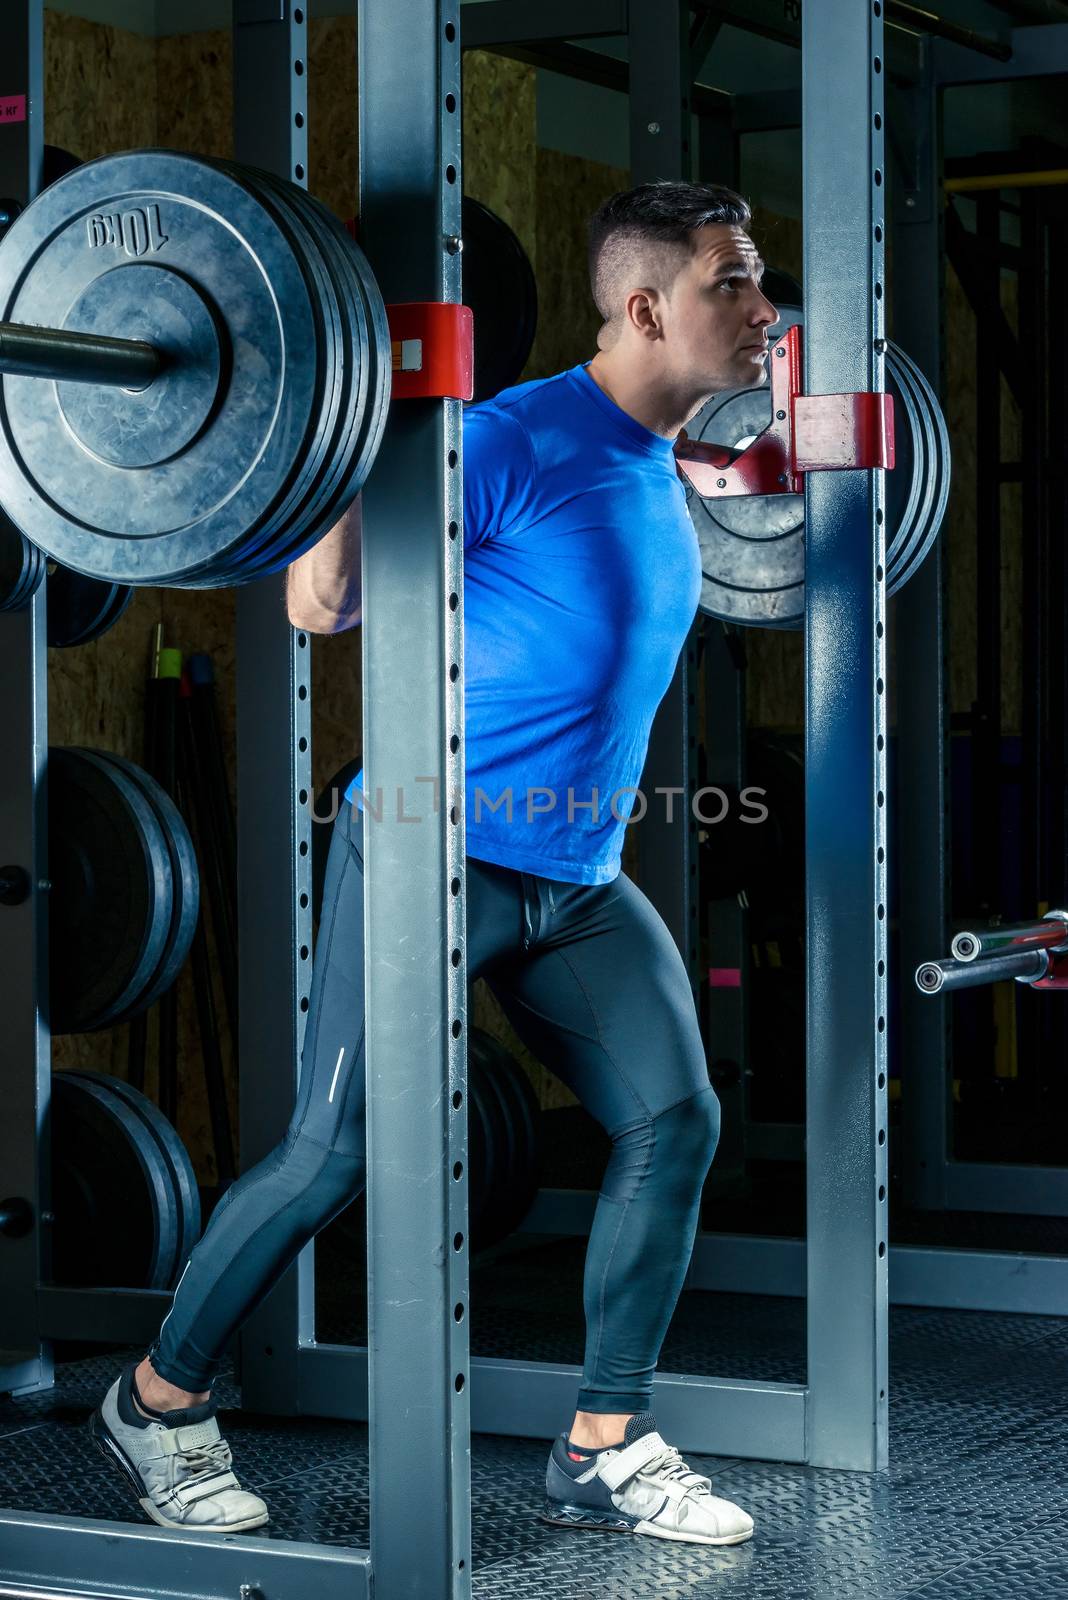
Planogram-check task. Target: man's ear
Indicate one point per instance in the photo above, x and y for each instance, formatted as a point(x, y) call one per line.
point(642, 310)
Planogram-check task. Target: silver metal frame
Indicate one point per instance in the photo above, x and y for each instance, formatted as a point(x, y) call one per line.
point(409, 61)
point(845, 758)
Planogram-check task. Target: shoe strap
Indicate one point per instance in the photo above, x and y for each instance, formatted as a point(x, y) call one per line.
point(618, 1469)
point(194, 1436)
point(194, 1489)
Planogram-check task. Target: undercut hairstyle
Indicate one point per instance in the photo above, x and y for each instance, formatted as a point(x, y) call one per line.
point(645, 235)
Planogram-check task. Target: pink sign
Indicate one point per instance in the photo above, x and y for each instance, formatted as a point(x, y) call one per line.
point(725, 977)
point(12, 108)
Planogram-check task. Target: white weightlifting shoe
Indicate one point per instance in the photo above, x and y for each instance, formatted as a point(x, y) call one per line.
point(642, 1487)
point(178, 1467)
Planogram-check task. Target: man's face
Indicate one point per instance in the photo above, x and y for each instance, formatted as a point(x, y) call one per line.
point(714, 315)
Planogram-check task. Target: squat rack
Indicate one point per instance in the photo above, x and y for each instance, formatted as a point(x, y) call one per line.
point(416, 1382)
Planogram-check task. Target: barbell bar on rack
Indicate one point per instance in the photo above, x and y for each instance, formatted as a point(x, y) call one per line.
point(1035, 953)
point(217, 391)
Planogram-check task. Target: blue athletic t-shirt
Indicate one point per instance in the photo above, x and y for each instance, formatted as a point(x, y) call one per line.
point(582, 575)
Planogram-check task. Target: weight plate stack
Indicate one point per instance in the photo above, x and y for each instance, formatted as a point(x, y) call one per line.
point(262, 546)
point(506, 1108)
point(940, 475)
point(81, 609)
point(184, 1198)
point(22, 567)
point(366, 374)
point(266, 417)
point(112, 898)
point(114, 1202)
point(487, 1152)
point(185, 883)
point(753, 546)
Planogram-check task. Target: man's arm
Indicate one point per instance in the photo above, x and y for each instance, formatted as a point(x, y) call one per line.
point(323, 593)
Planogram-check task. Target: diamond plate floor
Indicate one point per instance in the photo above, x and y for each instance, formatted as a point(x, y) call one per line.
point(975, 1504)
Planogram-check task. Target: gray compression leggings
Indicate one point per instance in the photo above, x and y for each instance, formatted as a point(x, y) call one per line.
point(592, 982)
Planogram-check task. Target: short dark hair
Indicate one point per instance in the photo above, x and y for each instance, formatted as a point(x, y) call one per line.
point(654, 213)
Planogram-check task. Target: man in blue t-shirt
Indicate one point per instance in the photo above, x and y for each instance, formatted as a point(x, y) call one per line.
point(581, 581)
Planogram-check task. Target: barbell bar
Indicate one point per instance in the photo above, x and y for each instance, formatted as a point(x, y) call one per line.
point(220, 383)
point(1049, 934)
point(1030, 952)
point(69, 357)
point(937, 977)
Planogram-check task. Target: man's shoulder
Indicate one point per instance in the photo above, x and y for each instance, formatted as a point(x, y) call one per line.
point(521, 402)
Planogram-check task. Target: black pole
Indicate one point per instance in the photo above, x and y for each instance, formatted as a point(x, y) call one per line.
point(168, 673)
point(137, 1038)
point(218, 830)
point(214, 1077)
point(212, 853)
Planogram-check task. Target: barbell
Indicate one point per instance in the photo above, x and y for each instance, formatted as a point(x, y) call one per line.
point(753, 546)
point(216, 391)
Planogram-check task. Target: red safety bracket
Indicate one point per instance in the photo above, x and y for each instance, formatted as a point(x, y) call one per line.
point(808, 433)
point(433, 350)
point(433, 347)
point(1054, 977)
point(1056, 973)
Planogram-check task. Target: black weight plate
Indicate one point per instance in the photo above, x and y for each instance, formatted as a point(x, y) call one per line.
point(941, 476)
point(509, 1153)
point(500, 288)
point(368, 355)
point(158, 246)
point(76, 606)
point(277, 199)
point(176, 1157)
point(124, 594)
point(166, 888)
point(752, 547)
point(915, 446)
point(373, 422)
point(366, 380)
point(115, 1224)
point(369, 315)
point(523, 1112)
point(328, 803)
point(494, 1173)
point(343, 367)
point(360, 390)
point(904, 485)
point(185, 883)
point(15, 558)
point(24, 565)
point(369, 346)
point(111, 901)
point(479, 1156)
point(37, 569)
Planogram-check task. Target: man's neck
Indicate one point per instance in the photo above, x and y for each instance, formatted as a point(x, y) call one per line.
point(661, 410)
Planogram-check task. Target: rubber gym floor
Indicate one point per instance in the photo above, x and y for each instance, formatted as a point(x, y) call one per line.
point(975, 1503)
